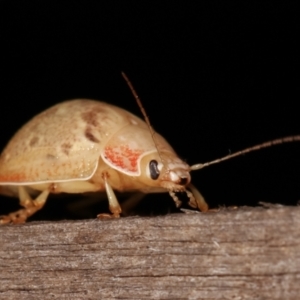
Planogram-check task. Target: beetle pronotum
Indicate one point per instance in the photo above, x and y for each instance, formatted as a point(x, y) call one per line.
point(84, 145)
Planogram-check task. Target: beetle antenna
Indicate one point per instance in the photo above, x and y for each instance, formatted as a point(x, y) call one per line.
point(288, 139)
point(139, 102)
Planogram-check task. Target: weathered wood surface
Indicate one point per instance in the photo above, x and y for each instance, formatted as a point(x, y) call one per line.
point(230, 254)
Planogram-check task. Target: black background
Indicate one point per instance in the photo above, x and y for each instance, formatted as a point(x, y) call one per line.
point(214, 77)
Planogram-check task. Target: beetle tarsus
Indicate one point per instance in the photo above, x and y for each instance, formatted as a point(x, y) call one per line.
point(108, 216)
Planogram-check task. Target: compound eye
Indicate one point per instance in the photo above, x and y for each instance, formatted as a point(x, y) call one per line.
point(154, 172)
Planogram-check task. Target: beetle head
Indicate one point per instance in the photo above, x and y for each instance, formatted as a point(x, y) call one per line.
point(165, 170)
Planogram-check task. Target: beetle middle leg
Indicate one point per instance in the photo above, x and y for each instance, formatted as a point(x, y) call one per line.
point(30, 206)
point(114, 205)
point(129, 204)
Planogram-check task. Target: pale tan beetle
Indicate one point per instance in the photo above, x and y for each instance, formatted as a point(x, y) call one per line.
point(84, 145)
point(89, 146)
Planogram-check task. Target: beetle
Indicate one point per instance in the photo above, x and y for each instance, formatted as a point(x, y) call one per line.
point(84, 145)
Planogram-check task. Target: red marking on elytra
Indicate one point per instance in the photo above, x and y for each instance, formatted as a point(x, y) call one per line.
point(17, 177)
point(123, 157)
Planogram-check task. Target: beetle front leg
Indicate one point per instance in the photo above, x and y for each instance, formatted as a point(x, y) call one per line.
point(196, 199)
point(30, 207)
point(175, 198)
point(114, 205)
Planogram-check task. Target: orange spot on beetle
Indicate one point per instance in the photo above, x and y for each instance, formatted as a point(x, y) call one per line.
point(124, 157)
point(16, 177)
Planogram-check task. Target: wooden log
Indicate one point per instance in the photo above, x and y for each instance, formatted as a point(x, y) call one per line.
point(248, 253)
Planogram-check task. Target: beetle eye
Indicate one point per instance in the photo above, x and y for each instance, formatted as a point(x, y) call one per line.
point(154, 172)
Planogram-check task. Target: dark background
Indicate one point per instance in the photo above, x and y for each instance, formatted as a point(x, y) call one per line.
point(214, 77)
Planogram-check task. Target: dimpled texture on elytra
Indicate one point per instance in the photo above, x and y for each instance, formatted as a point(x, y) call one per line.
point(63, 142)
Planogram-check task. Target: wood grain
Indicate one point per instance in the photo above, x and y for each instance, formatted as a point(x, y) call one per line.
point(248, 253)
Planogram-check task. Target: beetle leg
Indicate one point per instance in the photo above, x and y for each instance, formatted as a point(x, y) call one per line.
point(196, 199)
point(175, 198)
point(131, 202)
point(30, 207)
point(114, 205)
